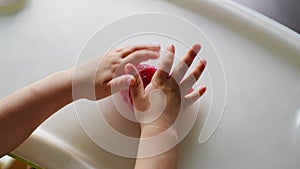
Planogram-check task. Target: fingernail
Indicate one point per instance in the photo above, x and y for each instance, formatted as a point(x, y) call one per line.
point(202, 90)
point(171, 47)
point(196, 48)
point(204, 62)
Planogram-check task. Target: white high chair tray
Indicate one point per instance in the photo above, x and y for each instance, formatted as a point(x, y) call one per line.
point(260, 127)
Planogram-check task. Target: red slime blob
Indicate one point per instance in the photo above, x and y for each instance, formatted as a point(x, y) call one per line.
point(146, 72)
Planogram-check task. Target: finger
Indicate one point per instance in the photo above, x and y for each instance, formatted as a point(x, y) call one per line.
point(192, 78)
point(165, 66)
point(185, 63)
point(136, 87)
point(137, 57)
point(130, 49)
point(194, 96)
point(121, 83)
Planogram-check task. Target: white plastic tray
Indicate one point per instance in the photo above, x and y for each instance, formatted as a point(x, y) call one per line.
point(261, 123)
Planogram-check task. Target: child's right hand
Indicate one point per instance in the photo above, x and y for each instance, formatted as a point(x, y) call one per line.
point(103, 76)
point(157, 106)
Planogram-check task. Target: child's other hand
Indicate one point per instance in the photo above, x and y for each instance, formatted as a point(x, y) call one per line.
point(102, 76)
point(159, 103)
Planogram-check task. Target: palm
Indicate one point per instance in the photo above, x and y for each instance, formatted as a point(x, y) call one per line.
point(167, 91)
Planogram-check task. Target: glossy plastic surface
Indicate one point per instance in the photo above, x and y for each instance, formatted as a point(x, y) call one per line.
point(260, 125)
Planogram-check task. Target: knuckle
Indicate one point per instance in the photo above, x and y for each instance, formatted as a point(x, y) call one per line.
point(192, 53)
point(188, 60)
point(181, 67)
point(136, 53)
point(132, 48)
point(196, 73)
point(167, 62)
point(158, 82)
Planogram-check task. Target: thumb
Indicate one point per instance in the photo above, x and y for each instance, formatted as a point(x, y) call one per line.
point(136, 87)
point(121, 83)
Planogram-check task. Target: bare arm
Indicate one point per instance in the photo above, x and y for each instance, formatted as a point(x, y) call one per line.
point(23, 111)
point(166, 160)
point(168, 93)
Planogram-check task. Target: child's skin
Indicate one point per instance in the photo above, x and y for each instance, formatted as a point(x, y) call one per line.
point(23, 111)
point(174, 88)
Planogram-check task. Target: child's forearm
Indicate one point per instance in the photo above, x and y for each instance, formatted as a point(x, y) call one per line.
point(23, 111)
point(166, 160)
point(175, 98)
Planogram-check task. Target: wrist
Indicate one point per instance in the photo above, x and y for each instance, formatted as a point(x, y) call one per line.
point(154, 130)
point(157, 126)
point(156, 141)
point(67, 83)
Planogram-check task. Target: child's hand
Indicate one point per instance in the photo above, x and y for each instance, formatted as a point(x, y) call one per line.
point(159, 103)
point(103, 76)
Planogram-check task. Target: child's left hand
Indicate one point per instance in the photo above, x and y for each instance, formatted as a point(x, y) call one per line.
point(168, 92)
